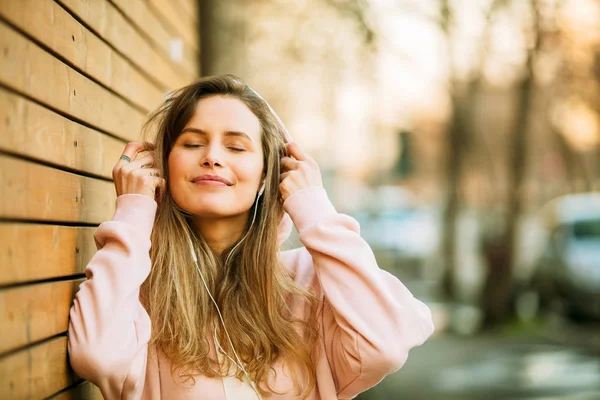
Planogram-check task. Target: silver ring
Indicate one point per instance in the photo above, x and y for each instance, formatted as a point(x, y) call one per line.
point(126, 158)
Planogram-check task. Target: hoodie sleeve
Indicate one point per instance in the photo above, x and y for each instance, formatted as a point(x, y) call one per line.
point(109, 329)
point(370, 320)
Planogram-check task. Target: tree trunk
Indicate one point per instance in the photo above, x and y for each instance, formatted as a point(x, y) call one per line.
point(500, 253)
point(207, 17)
point(456, 136)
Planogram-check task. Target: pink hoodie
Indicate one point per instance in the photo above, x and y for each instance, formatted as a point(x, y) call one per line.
point(368, 318)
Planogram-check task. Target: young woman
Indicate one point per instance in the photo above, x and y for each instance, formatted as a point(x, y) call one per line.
point(189, 296)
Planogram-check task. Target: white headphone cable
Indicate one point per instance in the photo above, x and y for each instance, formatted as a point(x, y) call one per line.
point(193, 253)
point(251, 224)
point(218, 344)
point(239, 363)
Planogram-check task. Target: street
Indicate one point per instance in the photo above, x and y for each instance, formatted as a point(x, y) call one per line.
point(503, 365)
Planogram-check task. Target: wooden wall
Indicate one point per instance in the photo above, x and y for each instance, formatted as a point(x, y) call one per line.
point(77, 79)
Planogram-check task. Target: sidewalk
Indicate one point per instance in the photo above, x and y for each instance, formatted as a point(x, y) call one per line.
point(551, 359)
point(493, 366)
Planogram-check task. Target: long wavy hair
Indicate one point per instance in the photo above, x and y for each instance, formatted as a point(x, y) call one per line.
point(253, 290)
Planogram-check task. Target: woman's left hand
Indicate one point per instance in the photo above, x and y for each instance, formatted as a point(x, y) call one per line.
point(299, 172)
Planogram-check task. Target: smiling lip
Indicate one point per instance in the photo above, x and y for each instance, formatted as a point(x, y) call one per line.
point(211, 180)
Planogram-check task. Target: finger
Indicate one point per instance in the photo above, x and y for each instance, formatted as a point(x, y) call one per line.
point(146, 161)
point(158, 184)
point(296, 151)
point(134, 165)
point(283, 176)
point(147, 172)
point(289, 163)
point(133, 148)
point(154, 186)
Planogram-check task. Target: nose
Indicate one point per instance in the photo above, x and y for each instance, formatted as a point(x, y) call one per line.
point(212, 157)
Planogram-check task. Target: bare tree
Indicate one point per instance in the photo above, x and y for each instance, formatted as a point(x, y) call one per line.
point(500, 252)
point(459, 134)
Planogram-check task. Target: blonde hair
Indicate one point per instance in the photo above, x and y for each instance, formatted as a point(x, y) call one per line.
point(253, 290)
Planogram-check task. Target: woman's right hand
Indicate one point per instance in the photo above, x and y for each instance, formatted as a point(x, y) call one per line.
point(138, 175)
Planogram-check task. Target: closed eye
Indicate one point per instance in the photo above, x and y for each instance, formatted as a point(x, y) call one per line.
point(237, 149)
point(191, 146)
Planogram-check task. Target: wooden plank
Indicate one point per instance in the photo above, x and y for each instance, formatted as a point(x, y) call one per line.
point(182, 26)
point(51, 25)
point(30, 252)
point(29, 314)
point(34, 131)
point(36, 192)
point(83, 391)
point(105, 19)
point(27, 68)
point(36, 372)
point(190, 10)
point(148, 23)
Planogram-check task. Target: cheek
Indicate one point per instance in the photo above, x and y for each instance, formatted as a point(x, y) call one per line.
point(177, 165)
point(249, 171)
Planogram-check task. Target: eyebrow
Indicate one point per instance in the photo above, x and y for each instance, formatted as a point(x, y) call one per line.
point(227, 133)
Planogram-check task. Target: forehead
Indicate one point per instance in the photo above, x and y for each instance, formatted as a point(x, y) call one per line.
point(217, 114)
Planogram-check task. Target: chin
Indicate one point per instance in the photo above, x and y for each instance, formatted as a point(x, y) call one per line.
point(212, 204)
point(208, 210)
point(212, 209)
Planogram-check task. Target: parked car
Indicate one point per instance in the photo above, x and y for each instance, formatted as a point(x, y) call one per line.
point(568, 270)
point(405, 236)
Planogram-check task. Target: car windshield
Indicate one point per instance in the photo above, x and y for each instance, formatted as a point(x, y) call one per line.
point(589, 229)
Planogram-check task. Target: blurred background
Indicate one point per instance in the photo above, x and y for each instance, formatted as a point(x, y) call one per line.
point(463, 135)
